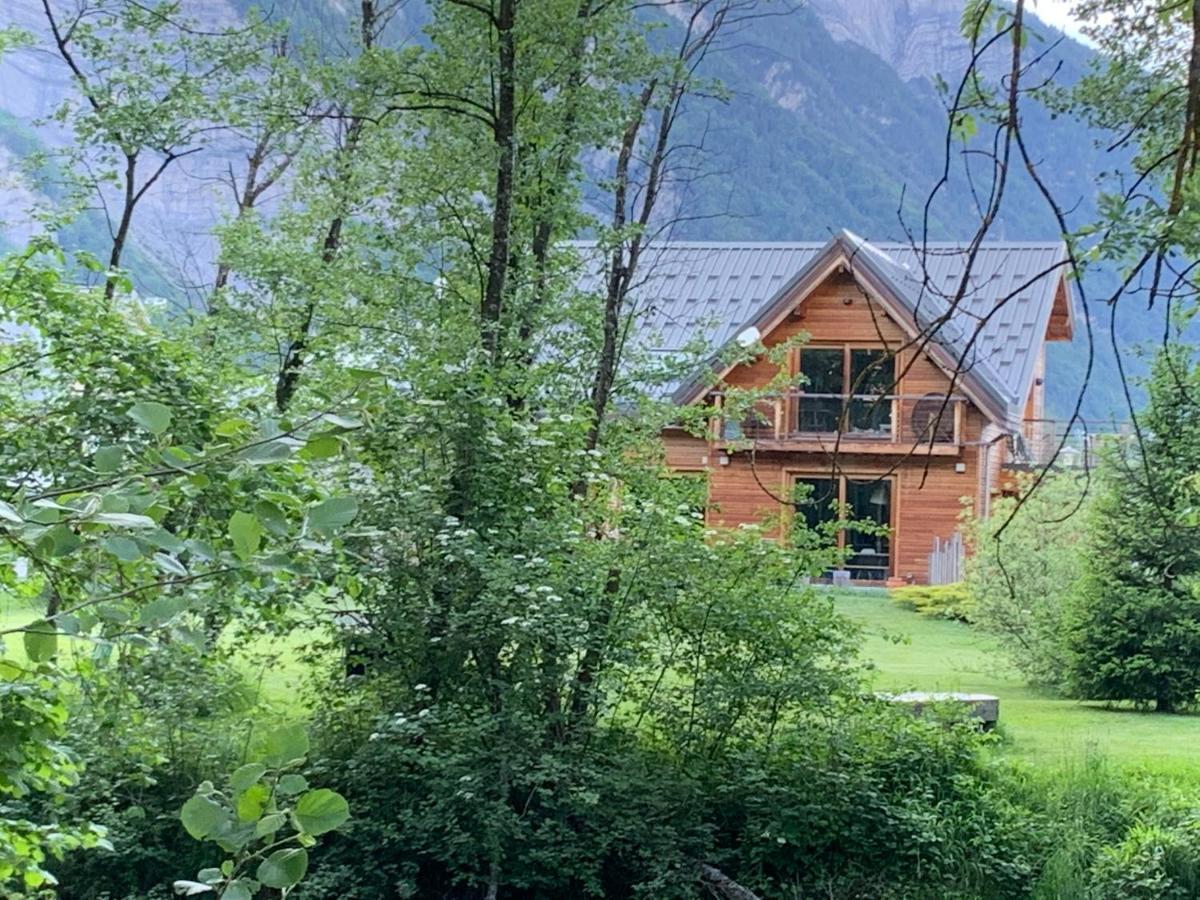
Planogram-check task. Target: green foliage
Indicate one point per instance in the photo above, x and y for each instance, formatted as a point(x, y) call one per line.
point(34, 760)
point(938, 601)
point(1133, 629)
point(265, 821)
point(1024, 566)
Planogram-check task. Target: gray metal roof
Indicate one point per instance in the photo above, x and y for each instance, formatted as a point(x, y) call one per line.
point(709, 292)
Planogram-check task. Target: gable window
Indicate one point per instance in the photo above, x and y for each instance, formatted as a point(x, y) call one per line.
point(864, 500)
point(846, 389)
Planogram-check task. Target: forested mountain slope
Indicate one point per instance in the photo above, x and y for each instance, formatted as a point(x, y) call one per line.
point(831, 120)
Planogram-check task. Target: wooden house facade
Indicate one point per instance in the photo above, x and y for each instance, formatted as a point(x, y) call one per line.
point(916, 376)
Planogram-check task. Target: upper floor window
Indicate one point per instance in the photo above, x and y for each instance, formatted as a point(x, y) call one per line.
point(845, 389)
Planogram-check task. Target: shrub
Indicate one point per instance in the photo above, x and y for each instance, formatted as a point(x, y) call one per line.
point(938, 601)
point(1025, 563)
point(1155, 862)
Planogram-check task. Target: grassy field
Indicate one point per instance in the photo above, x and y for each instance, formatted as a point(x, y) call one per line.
point(273, 667)
point(913, 652)
point(908, 652)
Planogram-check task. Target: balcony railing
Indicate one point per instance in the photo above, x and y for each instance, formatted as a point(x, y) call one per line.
point(891, 419)
point(1066, 445)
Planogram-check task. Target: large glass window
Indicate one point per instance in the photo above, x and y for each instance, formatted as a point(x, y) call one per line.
point(867, 504)
point(824, 371)
point(845, 389)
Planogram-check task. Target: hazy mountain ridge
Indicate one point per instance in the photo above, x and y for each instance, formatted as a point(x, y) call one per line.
point(833, 120)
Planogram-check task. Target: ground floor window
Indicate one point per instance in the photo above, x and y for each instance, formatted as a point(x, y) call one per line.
point(862, 499)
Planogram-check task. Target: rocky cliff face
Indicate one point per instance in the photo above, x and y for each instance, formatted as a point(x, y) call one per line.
point(917, 38)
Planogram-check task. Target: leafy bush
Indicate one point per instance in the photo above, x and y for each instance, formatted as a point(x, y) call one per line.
point(1153, 861)
point(938, 601)
point(1024, 564)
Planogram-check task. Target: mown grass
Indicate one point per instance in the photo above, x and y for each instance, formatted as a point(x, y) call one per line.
point(912, 652)
point(274, 666)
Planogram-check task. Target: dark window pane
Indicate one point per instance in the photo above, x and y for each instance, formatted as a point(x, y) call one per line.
point(869, 502)
point(817, 500)
point(872, 373)
point(822, 371)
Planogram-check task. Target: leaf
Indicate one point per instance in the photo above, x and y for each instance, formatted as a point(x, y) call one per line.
point(252, 802)
point(292, 784)
point(269, 824)
point(321, 810)
point(161, 610)
point(60, 541)
point(246, 534)
point(333, 513)
point(122, 548)
point(202, 817)
point(236, 890)
point(10, 514)
point(322, 446)
point(246, 775)
point(170, 564)
point(283, 868)
point(343, 422)
point(153, 416)
point(124, 520)
point(285, 745)
point(272, 517)
point(108, 459)
point(262, 454)
point(41, 642)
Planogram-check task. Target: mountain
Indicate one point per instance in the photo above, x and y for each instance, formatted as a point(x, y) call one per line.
point(832, 121)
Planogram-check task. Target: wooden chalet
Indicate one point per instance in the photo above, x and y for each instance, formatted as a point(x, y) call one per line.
point(910, 401)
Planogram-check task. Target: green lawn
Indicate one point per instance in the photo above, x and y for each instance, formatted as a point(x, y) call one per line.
point(273, 666)
point(913, 652)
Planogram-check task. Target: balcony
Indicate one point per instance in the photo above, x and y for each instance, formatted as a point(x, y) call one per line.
point(850, 423)
point(1044, 443)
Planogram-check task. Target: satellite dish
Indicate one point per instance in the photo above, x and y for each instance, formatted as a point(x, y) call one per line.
point(749, 337)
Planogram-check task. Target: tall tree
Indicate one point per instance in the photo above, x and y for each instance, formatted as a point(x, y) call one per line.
point(152, 89)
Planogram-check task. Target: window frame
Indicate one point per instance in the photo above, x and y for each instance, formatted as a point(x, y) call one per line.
point(841, 476)
point(847, 348)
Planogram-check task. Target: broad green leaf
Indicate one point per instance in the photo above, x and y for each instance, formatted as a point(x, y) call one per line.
point(10, 514)
point(292, 784)
point(252, 802)
point(108, 459)
point(245, 776)
point(151, 415)
point(333, 513)
point(283, 868)
point(246, 534)
point(321, 810)
point(262, 454)
point(237, 890)
point(272, 517)
point(60, 541)
point(41, 642)
point(124, 520)
point(202, 817)
point(161, 610)
point(322, 446)
point(269, 824)
point(285, 745)
point(122, 548)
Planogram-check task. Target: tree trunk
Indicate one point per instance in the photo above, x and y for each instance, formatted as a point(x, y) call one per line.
point(505, 137)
